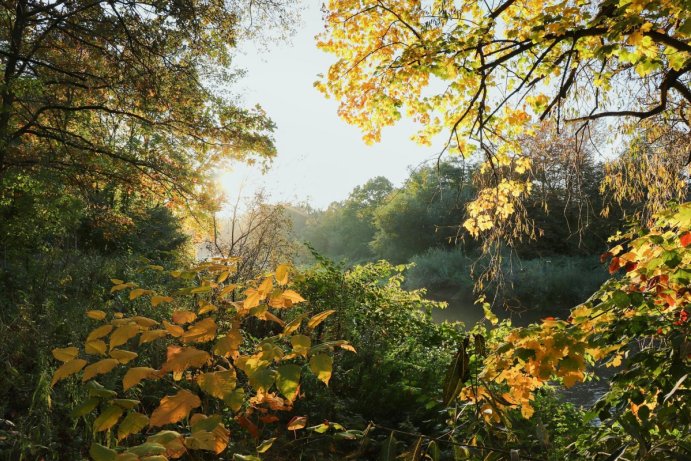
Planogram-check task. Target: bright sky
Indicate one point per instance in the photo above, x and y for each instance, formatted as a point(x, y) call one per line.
point(320, 157)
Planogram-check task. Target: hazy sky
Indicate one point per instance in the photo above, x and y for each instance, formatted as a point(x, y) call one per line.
point(320, 157)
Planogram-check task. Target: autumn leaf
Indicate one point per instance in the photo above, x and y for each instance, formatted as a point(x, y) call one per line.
point(96, 315)
point(319, 318)
point(123, 334)
point(282, 274)
point(67, 369)
point(123, 356)
point(288, 380)
point(65, 354)
point(99, 368)
point(181, 358)
point(297, 423)
point(173, 409)
point(217, 384)
point(99, 332)
point(135, 375)
point(108, 418)
point(183, 317)
point(156, 300)
point(202, 331)
point(321, 365)
point(133, 423)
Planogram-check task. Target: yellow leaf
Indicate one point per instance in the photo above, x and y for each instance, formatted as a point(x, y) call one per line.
point(151, 335)
point(95, 347)
point(319, 318)
point(301, 344)
point(183, 317)
point(136, 293)
point(156, 300)
point(202, 331)
point(297, 422)
point(67, 369)
point(96, 314)
point(144, 322)
point(99, 332)
point(108, 418)
point(99, 368)
point(252, 300)
point(135, 375)
point(293, 296)
point(217, 384)
point(174, 408)
point(206, 307)
point(229, 344)
point(175, 330)
point(65, 354)
point(133, 423)
point(282, 274)
point(123, 334)
point(265, 287)
point(181, 358)
point(123, 356)
point(321, 365)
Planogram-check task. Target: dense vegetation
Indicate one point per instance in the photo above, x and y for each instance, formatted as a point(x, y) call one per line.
point(138, 323)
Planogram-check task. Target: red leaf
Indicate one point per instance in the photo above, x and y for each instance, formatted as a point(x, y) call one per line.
point(605, 256)
point(614, 265)
point(685, 239)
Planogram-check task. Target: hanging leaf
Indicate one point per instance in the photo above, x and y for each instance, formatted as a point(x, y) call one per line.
point(297, 423)
point(96, 315)
point(133, 423)
point(282, 274)
point(151, 335)
point(321, 365)
point(202, 331)
point(229, 344)
point(95, 347)
point(183, 317)
point(319, 318)
point(301, 344)
point(65, 354)
point(99, 332)
point(156, 300)
point(217, 384)
point(456, 374)
point(265, 445)
point(108, 418)
point(68, 369)
point(123, 356)
point(123, 334)
point(182, 358)
point(135, 375)
point(288, 380)
point(100, 453)
point(174, 408)
point(99, 368)
point(388, 450)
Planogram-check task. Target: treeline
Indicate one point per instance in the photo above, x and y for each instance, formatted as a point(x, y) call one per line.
point(420, 222)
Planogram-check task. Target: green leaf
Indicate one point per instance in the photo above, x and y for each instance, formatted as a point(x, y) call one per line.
point(108, 418)
point(133, 423)
point(288, 380)
point(321, 365)
point(388, 449)
point(100, 453)
point(265, 445)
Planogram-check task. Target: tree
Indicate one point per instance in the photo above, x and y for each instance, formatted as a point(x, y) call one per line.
point(424, 213)
point(125, 91)
point(346, 228)
point(481, 72)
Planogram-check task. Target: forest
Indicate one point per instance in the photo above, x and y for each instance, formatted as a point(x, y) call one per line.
point(522, 294)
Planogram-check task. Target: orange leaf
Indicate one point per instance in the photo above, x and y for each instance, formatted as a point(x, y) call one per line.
point(174, 408)
point(297, 422)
